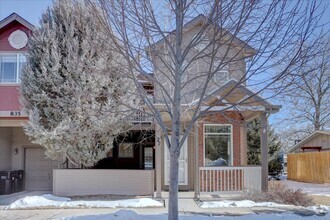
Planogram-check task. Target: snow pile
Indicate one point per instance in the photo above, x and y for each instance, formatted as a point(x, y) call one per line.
point(50, 201)
point(242, 203)
point(320, 209)
point(131, 215)
point(55, 198)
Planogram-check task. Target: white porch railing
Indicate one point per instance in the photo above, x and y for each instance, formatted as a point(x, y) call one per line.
point(140, 117)
point(229, 179)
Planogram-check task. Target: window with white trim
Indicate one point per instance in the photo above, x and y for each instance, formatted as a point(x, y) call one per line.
point(222, 72)
point(218, 145)
point(11, 67)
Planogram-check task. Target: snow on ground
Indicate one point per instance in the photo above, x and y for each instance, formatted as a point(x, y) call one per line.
point(320, 210)
point(50, 201)
point(309, 188)
point(241, 203)
point(131, 215)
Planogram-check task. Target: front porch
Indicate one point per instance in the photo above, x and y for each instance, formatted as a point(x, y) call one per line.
point(213, 180)
point(217, 180)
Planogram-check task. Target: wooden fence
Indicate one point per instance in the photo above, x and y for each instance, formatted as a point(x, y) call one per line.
point(312, 167)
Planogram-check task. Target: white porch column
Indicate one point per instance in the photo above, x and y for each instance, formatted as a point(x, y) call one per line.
point(158, 160)
point(264, 151)
point(196, 176)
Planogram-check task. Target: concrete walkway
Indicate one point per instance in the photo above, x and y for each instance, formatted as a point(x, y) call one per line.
point(187, 206)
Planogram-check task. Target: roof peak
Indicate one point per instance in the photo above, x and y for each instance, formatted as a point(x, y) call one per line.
point(15, 17)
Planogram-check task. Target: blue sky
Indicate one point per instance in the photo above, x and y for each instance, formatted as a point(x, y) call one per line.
point(31, 10)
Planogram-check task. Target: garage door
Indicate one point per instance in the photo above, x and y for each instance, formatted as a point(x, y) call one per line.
point(38, 170)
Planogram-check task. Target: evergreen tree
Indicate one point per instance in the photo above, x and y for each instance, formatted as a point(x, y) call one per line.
point(275, 159)
point(73, 87)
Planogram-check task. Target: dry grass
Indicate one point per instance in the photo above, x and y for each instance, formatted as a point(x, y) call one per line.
point(282, 194)
point(321, 200)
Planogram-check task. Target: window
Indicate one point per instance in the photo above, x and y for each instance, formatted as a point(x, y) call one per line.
point(110, 153)
point(201, 40)
point(11, 66)
point(126, 150)
point(218, 145)
point(222, 74)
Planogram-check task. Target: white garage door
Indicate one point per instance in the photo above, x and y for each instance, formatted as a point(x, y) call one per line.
point(38, 170)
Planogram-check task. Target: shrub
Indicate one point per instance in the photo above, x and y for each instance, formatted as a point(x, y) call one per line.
point(282, 194)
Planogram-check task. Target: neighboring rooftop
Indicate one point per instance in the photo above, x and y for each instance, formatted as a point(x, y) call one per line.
point(15, 17)
point(309, 138)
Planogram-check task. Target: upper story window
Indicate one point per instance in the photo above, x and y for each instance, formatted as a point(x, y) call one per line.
point(222, 74)
point(11, 66)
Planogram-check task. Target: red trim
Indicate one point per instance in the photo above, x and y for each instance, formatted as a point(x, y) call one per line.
point(14, 118)
point(311, 148)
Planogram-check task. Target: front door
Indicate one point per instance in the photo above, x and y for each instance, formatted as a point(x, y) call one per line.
point(38, 170)
point(148, 158)
point(183, 165)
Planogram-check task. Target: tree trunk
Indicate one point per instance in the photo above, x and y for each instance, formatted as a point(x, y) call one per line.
point(317, 124)
point(173, 212)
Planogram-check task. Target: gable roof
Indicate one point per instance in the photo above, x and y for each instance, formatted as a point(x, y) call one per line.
point(15, 17)
point(308, 138)
point(202, 19)
point(247, 96)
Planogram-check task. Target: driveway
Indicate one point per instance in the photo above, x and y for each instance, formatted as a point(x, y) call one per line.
point(309, 188)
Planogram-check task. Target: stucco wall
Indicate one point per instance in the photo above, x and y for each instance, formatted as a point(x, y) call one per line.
point(20, 141)
point(5, 148)
point(70, 182)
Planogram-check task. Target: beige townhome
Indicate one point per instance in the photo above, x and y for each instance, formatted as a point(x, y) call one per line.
point(213, 159)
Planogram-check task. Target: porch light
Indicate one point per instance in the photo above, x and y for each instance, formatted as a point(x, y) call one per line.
point(16, 151)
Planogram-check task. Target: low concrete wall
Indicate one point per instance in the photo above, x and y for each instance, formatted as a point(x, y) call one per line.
point(71, 182)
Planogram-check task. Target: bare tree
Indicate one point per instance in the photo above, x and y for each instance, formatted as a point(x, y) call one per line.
point(308, 92)
point(189, 45)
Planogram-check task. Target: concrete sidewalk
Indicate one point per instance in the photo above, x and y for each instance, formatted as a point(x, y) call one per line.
point(187, 206)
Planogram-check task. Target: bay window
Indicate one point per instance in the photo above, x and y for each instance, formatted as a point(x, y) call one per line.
point(218, 145)
point(11, 67)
